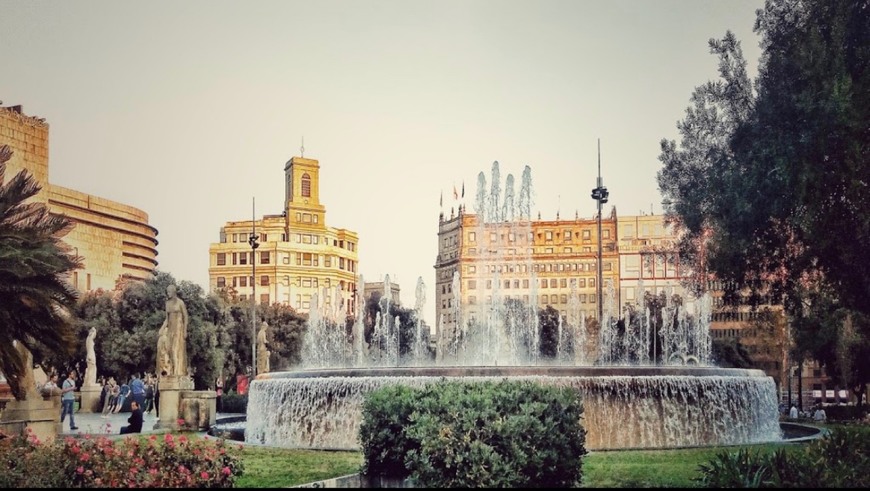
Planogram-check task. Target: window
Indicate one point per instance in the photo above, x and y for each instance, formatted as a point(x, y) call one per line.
point(548, 235)
point(591, 282)
point(264, 257)
point(315, 218)
point(544, 283)
point(264, 298)
point(605, 233)
point(525, 283)
point(472, 237)
point(608, 266)
point(507, 284)
point(492, 237)
point(222, 259)
point(489, 284)
point(581, 283)
point(306, 282)
point(568, 250)
point(472, 284)
point(563, 283)
point(586, 234)
point(548, 250)
point(243, 258)
point(472, 300)
point(235, 258)
point(472, 269)
point(327, 261)
point(563, 299)
point(516, 283)
point(306, 218)
point(552, 282)
point(221, 282)
point(568, 235)
point(286, 280)
point(243, 281)
point(306, 185)
point(264, 280)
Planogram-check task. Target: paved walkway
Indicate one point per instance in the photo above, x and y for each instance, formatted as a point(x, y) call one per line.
point(95, 424)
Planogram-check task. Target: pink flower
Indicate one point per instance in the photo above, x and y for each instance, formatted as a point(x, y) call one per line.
point(80, 469)
point(182, 438)
point(226, 471)
point(168, 437)
point(203, 475)
point(152, 471)
point(85, 457)
point(179, 422)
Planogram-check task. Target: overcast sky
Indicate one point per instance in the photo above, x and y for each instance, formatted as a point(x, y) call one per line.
point(187, 110)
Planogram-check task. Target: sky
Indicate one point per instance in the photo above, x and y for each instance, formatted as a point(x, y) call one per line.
point(187, 110)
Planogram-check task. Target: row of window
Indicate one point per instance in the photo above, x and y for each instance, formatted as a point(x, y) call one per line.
point(302, 259)
point(542, 235)
point(545, 283)
point(298, 238)
point(303, 281)
point(538, 267)
point(557, 299)
point(472, 251)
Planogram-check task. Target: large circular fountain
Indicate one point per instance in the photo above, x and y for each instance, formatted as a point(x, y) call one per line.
point(646, 377)
point(624, 407)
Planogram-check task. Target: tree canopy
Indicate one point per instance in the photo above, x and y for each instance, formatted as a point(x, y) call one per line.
point(770, 180)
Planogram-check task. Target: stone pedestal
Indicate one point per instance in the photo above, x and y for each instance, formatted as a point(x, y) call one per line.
point(170, 387)
point(199, 409)
point(41, 415)
point(91, 399)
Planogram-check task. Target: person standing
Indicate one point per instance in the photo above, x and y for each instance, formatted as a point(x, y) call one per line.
point(137, 390)
point(219, 390)
point(123, 393)
point(149, 396)
point(793, 413)
point(68, 400)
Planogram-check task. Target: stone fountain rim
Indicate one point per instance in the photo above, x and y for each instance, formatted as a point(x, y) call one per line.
point(516, 371)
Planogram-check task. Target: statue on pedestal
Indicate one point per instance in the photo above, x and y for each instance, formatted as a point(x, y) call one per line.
point(176, 331)
point(91, 369)
point(262, 352)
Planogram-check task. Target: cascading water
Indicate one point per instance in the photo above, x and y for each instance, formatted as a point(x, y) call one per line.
point(632, 367)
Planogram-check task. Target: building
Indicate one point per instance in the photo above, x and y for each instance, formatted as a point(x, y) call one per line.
point(376, 289)
point(528, 261)
point(114, 240)
point(298, 254)
point(648, 259)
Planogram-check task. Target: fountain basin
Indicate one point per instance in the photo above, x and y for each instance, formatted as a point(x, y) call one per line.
point(625, 407)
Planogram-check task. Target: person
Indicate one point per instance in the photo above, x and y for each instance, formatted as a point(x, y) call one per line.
point(176, 325)
point(219, 390)
point(793, 412)
point(50, 386)
point(123, 393)
point(112, 391)
point(68, 400)
point(135, 419)
point(137, 390)
point(819, 415)
point(149, 396)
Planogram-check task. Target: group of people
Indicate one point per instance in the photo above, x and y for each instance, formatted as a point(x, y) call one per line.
point(141, 391)
point(817, 415)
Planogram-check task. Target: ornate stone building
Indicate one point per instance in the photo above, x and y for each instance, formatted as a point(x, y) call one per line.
point(528, 261)
point(298, 254)
point(114, 240)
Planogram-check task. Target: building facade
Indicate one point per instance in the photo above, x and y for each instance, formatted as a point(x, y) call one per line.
point(533, 261)
point(114, 241)
point(298, 253)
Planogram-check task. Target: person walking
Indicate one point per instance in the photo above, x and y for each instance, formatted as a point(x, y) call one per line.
point(149, 396)
point(68, 400)
point(112, 392)
point(123, 393)
point(219, 390)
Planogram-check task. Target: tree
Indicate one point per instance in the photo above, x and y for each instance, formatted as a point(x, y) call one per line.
point(770, 182)
point(548, 321)
point(35, 297)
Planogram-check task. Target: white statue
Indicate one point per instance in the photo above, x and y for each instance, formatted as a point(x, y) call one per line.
point(262, 352)
point(176, 325)
point(91, 369)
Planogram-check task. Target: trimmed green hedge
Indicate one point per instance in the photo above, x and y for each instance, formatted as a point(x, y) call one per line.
point(234, 403)
point(475, 434)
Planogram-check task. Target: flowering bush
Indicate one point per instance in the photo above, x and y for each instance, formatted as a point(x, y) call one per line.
point(167, 461)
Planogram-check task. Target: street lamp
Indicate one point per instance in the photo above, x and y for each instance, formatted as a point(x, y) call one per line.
point(600, 195)
point(253, 240)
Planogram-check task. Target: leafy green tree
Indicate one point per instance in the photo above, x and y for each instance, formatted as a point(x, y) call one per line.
point(770, 181)
point(35, 298)
point(548, 322)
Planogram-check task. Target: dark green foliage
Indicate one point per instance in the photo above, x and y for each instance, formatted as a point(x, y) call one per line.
point(477, 434)
point(548, 319)
point(386, 416)
point(729, 353)
point(35, 297)
point(838, 460)
point(407, 334)
point(234, 403)
point(770, 181)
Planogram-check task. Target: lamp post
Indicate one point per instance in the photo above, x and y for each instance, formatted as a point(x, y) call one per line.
point(600, 195)
point(253, 240)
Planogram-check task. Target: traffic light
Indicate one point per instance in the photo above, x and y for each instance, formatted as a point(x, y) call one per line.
point(600, 194)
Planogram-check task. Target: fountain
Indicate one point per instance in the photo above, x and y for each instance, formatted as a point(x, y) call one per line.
point(646, 377)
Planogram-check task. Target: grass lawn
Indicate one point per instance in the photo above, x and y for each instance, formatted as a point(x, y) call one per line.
point(652, 468)
point(278, 467)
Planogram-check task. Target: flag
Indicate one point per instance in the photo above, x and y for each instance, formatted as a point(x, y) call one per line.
point(463, 189)
point(441, 203)
point(455, 194)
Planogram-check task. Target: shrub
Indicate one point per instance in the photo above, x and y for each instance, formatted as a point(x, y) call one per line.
point(129, 462)
point(386, 414)
point(234, 403)
point(477, 434)
point(839, 459)
point(844, 413)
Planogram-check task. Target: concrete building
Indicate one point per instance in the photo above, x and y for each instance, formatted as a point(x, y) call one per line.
point(520, 260)
point(376, 289)
point(298, 253)
point(114, 240)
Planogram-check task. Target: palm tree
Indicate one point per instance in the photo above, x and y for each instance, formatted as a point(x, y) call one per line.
point(35, 298)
